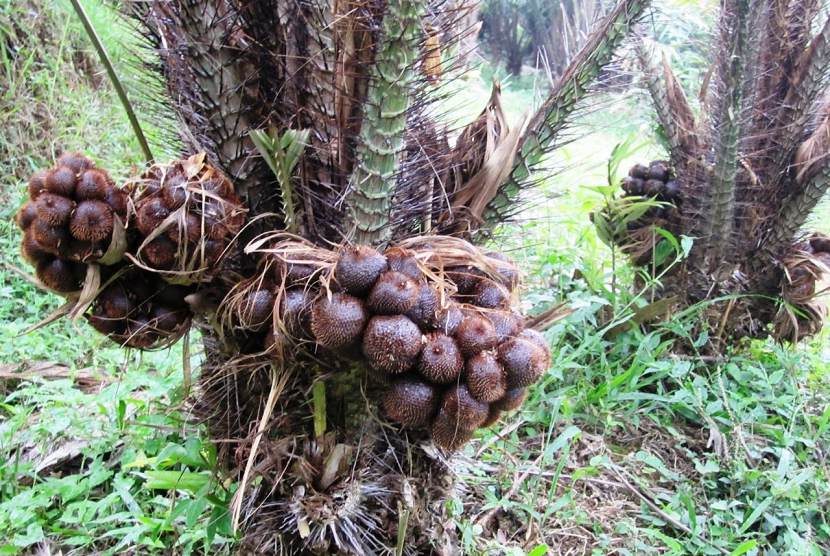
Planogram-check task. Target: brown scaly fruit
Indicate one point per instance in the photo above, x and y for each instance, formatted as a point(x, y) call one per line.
point(394, 293)
point(256, 309)
point(91, 221)
point(512, 399)
point(358, 268)
point(166, 320)
point(425, 311)
point(59, 275)
point(404, 261)
point(295, 312)
point(524, 362)
point(475, 333)
point(490, 295)
point(52, 239)
point(187, 229)
point(441, 360)
point(449, 319)
point(446, 433)
point(77, 161)
point(459, 405)
point(93, 184)
point(140, 333)
point(116, 200)
point(37, 184)
point(508, 273)
point(392, 344)
point(115, 302)
point(485, 377)
point(338, 323)
point(26, 214)
point(161, 253)
point(103, 323)
point(411, 402)
point(61, 181)
point(505, 323)
point(175, 192)
point(492, 417)
point(465, 278)
point(53, 209)
point(151, 213)
point(32, 250)
point(537, 338)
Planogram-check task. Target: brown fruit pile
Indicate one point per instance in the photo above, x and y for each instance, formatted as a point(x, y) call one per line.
point(69, 220)
point(187, 213)
point(653, 181)
point(442, 338)
point(179, 219)
point(139, 309)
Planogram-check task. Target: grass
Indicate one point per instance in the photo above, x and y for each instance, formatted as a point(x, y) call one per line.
point(623, 448)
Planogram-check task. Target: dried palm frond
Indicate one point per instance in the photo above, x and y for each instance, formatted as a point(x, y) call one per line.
point(672, 107)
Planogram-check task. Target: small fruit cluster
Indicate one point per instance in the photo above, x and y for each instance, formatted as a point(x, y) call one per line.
point(443, 339)
point(654, 181)
point(140, 310)
point(819, 247)
point(69, 220)
point(177, 217)
point(187, 213)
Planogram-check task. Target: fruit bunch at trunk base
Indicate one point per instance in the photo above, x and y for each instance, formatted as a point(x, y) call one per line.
point(187, 214)
point(651, 199)
point(431, 319)
point(75, 216)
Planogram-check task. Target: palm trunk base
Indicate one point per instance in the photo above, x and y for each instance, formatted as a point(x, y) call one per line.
point(349, 490)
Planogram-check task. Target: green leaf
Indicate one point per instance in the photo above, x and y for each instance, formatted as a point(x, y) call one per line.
point(169, 480)
point(744, 548)
point(195, 511)
point(756, 513)
point(540, 550)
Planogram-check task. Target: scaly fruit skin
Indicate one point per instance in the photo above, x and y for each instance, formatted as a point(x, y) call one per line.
point(476, 333)
point(394, 293)
point(339, 323)
point(524, 362)
point(441, 360)
point(412, 402)
point(392, 344)
point(447, 433)
point(358, 268)
point(485, 377)
point(460, 407)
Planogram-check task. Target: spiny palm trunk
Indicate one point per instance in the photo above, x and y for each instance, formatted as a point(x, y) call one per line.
point(750, 170)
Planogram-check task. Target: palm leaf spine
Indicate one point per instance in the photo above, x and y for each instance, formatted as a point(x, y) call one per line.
point(570, 88)
point(381, 143)
point(806, 87)
point(672, 117)
point(720, 220)
point(796, 211)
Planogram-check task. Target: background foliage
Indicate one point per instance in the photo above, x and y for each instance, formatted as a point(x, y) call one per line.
point(624, 448)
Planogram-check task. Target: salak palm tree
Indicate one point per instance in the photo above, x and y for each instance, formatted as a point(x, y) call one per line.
point(749, 166)
point(325, 117)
